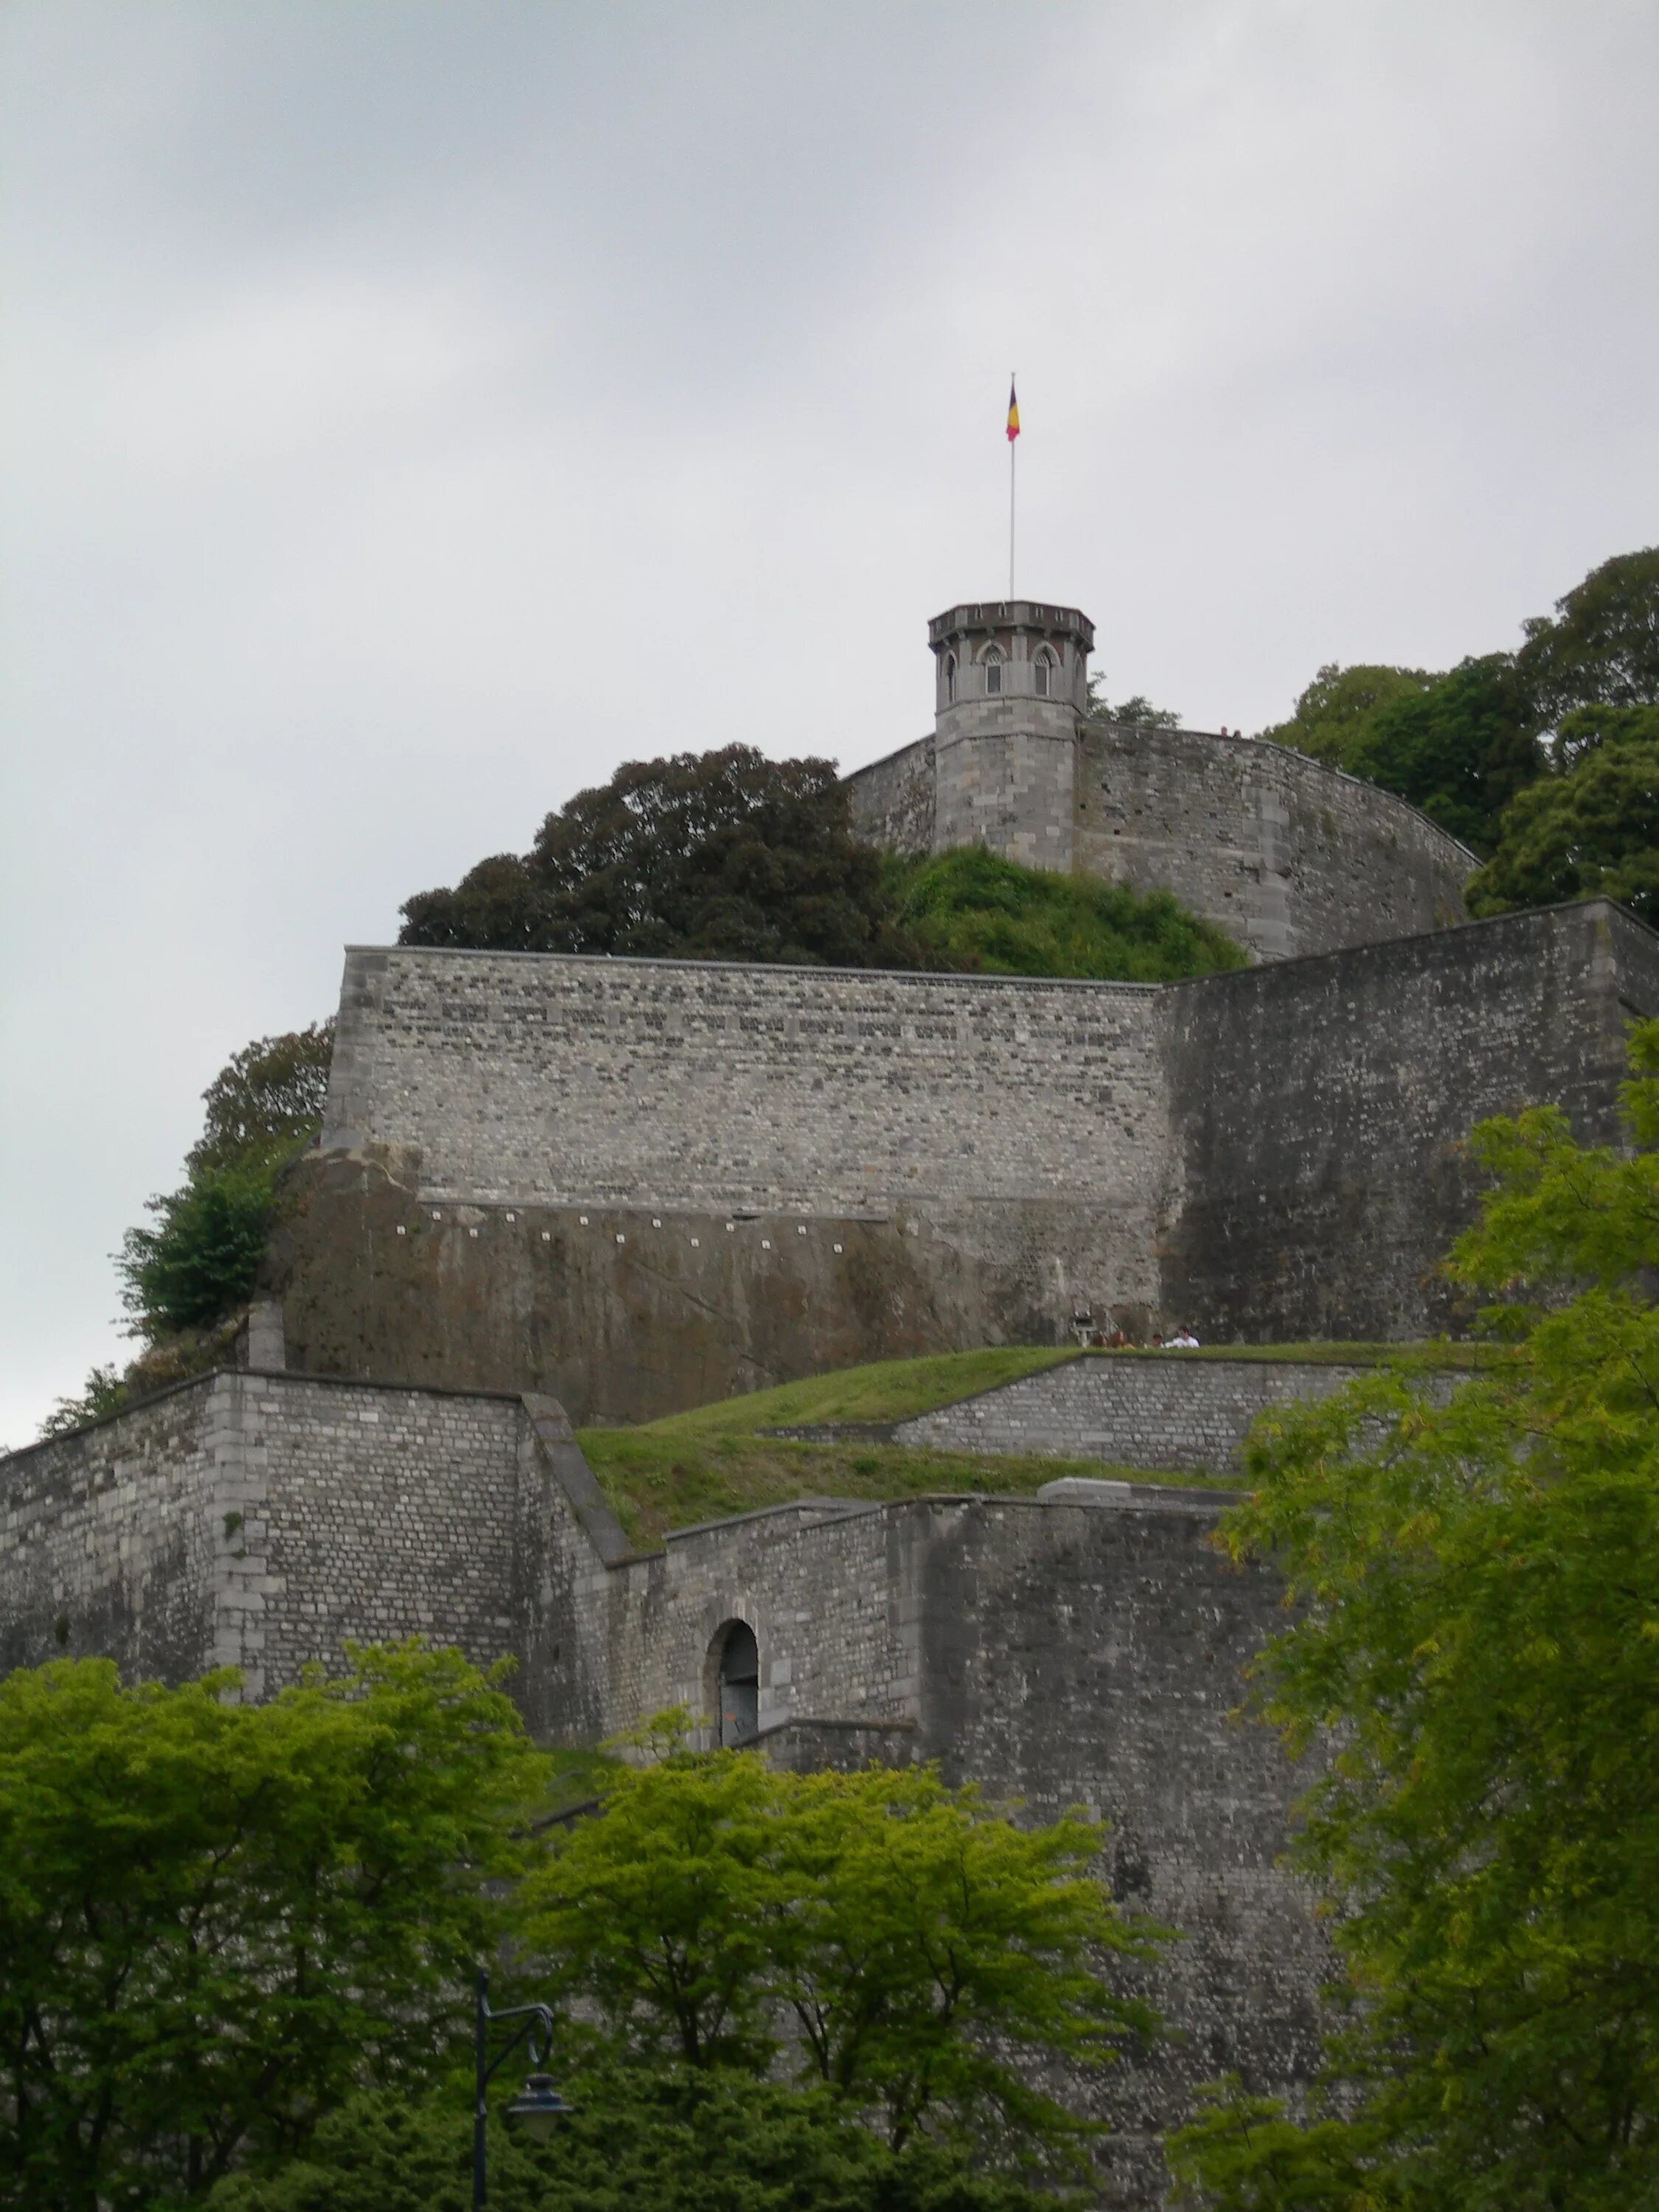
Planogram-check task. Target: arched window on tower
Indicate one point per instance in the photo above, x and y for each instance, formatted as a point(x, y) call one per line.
point(738, 1685)
point(993, 672)
point(1043, 675)
point(950, 679)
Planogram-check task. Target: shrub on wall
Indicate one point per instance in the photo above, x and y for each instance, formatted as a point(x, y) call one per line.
point(973, 910)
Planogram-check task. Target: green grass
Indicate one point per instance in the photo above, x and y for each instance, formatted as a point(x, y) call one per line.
point(975, 911)
point(711, 1462)
point(653, 1488)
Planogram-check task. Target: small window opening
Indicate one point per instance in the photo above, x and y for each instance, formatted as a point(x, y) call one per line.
point(950, 679)
point(740, 1687)
point(1045, 675)
point(993, 673)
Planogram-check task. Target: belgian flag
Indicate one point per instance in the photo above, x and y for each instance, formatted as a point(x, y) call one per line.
point(1014, 413)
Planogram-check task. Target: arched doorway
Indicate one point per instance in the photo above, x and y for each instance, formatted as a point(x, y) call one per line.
point(737, 1683)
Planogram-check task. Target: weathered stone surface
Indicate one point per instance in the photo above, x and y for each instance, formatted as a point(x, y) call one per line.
point(1162, 1412)
point(1320, 1108)
point(259, 1520)
point(644, 1185)
point(1289, 856)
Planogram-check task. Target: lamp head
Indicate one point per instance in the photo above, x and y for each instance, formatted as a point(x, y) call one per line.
point(538, 2108)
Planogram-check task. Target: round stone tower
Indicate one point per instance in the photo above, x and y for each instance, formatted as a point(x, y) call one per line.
point(1012, 680)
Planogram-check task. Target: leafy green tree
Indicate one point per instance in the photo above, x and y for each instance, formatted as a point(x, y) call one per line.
point(1461, 750)
point(926, 1950)
point(1477, 1655)
point(714, 856)
point(185, 1278)
point(971, 909)
point(199, 1263)
point(1593, 831)
point(673, 2140)
point(1137, 709)
point(1588, 728)
point(267, 1102)
point(218, 1920)
point(1601, 647)
point(1334, 716)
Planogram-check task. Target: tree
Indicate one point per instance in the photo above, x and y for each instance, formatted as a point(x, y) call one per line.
point(1587, 728)
point(926, 1950)
point(199, 1264)
point(1461, 750)
point(1334, 714)
point(218, 1920)
point(184, 1280)
point(267, 1100)
point(1477, 1655)
point(673, 2139)
point(714, 856)
point(1592, 832)
point(1601, 648)
point(1138, 709)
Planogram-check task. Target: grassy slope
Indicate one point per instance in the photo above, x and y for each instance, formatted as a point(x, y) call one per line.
point(699, 1466)
point(976, 911)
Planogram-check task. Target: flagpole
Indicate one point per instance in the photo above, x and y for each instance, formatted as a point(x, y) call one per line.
point(1013, 449)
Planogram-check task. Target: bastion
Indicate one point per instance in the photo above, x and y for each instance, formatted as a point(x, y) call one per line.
point(1288, 855)
point(644, 1185)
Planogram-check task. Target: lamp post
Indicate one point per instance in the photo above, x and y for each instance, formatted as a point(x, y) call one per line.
point(538, 2107)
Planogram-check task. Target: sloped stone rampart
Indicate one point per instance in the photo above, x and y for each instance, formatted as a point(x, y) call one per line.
point(1165, 1411)
point(1288, 855)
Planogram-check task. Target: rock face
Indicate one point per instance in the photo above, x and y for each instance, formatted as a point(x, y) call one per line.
point(642, 1185)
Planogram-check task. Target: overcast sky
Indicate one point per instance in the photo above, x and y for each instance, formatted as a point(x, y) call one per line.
point(411, 410)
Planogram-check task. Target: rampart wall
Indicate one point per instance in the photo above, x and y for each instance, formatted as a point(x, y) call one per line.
point(644, 1185)
point(1162, 1411)
point(640, 1185)
point(1289, 856)
point(1321, 1105)
point(257, 1521)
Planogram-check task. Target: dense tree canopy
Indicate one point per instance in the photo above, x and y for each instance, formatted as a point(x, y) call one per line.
point(1601, 646)
point(1477, 1657)
point(267, 1100)
point(1461, 750)
point(731, 855)
point(667, 2140)
point(1463, 745)
point(217, 1920)
point(721, 855)
point(237, 1946)
point(1592, 831)
point(922, 1950)
point(185, 1276)
point(1334, 714)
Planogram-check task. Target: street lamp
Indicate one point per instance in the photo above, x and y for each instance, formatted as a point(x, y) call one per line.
point(538, 2107)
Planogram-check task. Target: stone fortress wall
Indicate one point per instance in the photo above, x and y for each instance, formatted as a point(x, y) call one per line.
point(1287, 856)
point(1059, 1653)
point(643, 1185)
point(257, 1521)
point(1162, 1412)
